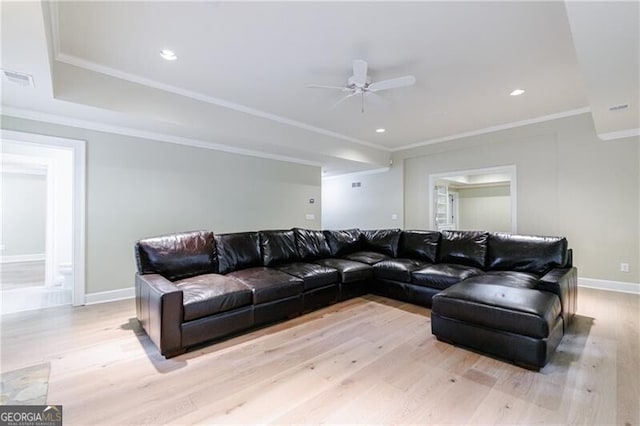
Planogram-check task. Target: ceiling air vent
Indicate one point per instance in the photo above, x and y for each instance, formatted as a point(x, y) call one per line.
point(618, 107)
point(18, 78)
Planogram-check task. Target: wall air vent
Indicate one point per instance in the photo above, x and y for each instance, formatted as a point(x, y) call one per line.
point(618, 107)
point(18, 78)
point(356, 184)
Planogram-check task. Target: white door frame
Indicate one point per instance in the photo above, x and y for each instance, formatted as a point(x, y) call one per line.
point(78, 150)
point(510, 170)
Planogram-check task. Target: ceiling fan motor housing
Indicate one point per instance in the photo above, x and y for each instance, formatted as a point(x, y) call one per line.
point(352, 82)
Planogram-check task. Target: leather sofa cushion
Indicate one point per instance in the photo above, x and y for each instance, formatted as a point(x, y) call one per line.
point(278, 247)
point(508, 278)
point(526, 253)
point(349, 270)
point(211, 294)
point(268, 284)
point(421, 245)
point(311, 244)
point(383, 241)
point(516, 310)
point(368, 257)
point(312, 275)
point(238, 251)
point(443, 275)
point(177, 256)
point(464, 248)
point(397, 269)
point(343, 242)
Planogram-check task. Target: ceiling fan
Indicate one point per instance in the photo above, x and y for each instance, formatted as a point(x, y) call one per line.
point(360, 83)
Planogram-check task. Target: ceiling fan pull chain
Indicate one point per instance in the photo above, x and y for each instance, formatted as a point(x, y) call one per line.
point(362, 110)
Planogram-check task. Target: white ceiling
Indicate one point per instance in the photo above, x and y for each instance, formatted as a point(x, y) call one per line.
point(240, 79)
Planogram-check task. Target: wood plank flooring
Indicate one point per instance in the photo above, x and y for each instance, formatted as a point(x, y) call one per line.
point(367, 360)
point(15, 275)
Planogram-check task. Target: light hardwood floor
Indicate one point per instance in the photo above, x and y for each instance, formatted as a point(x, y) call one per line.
point(367, 360)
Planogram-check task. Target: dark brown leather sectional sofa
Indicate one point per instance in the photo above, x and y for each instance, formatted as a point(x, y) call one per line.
point(511, 296)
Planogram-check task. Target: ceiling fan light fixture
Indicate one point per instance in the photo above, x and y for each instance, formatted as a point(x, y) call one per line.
point(168, 55)
point(517, 92)
point(381, 130)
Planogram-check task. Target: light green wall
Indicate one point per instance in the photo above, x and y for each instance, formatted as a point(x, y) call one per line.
point(138, 188)
point(24, 214)
point(369, 206)
point(569, 183)
point(486, 208)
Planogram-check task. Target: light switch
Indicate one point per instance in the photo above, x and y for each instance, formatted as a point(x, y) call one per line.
point(310, 216)
point(394, 217)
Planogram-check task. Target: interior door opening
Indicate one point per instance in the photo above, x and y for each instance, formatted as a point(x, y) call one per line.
point(481, 199)
point(42, 232)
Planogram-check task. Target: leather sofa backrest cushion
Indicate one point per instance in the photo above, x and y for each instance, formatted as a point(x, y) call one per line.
point(343, 242)
point(419, 245)
point(177, 256)
point(238, 251)
point(464, 248)
point(383, 241)
point(526, 253)
point(278, 247)
point(311, 244)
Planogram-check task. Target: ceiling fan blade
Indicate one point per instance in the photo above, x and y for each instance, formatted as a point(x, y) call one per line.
point(359, 72)
point(344, 98)
point(320, 86)
point(407, 80)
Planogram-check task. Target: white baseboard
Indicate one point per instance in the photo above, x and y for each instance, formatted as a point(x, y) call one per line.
point(619, 286)
point(16, 258)
point(109, 296)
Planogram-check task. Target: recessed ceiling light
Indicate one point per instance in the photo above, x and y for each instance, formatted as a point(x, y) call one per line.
point(381, 130)
point(167, 54)
point(517, 92)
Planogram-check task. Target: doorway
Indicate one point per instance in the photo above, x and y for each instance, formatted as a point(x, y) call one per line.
point(42, 210)
point(480, 199)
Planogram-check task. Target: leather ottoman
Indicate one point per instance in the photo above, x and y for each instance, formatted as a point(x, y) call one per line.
point(518, 324)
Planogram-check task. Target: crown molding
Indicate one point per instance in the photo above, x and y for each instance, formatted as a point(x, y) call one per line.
point(497, 128)
point(143, 134)
point(628, 133)
point(101, 69)
point(359, 173)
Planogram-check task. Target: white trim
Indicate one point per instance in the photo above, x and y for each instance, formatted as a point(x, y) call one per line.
point(79, 220)
point(110, 296)
point(25, 165)
point(18, 258)
point(628, 133)
point(619, 286)
point(513, 189)
point(360, 173)
point(92, 66)
point(78, 150)
point(143, 134)
point(51, 226)
point(496, 128)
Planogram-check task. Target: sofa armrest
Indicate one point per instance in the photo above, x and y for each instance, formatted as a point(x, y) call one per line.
point(160, 312)
point(564, 283)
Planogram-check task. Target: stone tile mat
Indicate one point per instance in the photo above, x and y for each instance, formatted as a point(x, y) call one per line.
point(25, 386)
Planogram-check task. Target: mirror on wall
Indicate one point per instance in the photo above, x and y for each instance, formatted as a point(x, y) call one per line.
point(483, 199)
